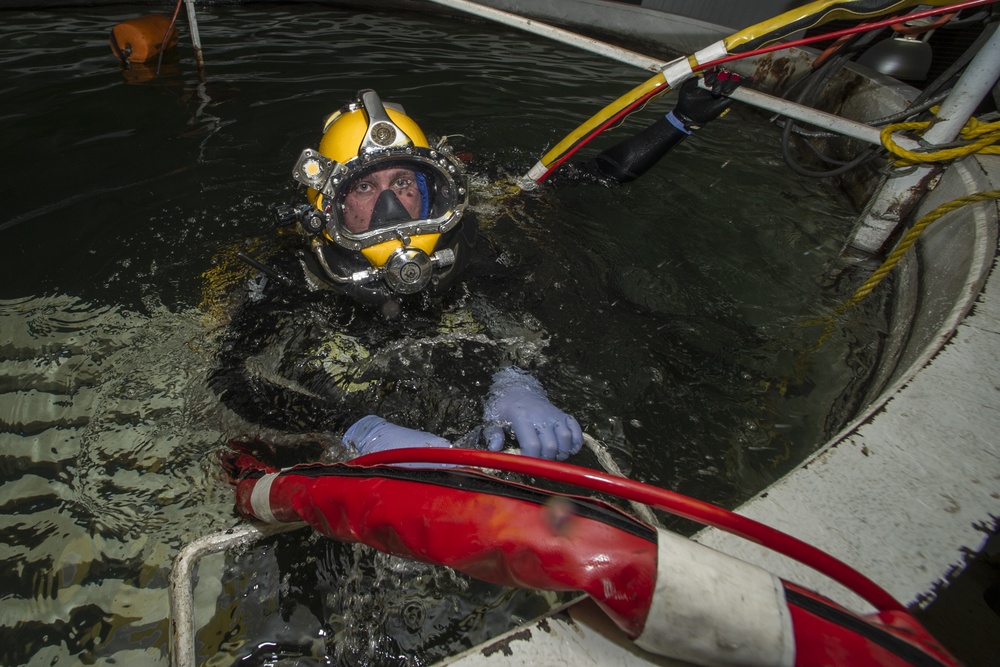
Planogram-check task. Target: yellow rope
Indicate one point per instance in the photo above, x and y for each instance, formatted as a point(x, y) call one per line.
point(910, 239)
point(982, 137)
point(894, 258)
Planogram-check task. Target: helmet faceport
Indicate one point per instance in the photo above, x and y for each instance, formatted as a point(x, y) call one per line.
point(369, 148)
point(385, 193)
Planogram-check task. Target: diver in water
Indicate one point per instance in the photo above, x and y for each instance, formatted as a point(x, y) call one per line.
point(387, 223)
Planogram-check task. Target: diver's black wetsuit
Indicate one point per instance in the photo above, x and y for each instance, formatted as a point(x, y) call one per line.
point(300, 360)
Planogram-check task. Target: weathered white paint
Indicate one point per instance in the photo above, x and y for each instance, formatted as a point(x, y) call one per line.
point(904, 491)
point(907, 489)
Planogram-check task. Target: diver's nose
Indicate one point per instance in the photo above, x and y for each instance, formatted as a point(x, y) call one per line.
point(388, 211)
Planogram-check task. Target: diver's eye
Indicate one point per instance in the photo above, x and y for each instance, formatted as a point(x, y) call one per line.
point(402, 183)
point(363, 188)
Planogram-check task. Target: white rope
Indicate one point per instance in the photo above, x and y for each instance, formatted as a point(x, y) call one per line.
point(609, 464)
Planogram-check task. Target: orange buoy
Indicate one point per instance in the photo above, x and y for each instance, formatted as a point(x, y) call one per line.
point(139, 40)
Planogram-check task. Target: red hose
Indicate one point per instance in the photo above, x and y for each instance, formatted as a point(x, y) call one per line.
point(173, 20)
point(597, 131)
point(667, 501)
point(864, 27)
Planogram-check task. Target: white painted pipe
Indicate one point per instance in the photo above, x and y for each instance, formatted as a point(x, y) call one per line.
point(195, 37)
point(754, 98)
point(976, 82)
point(557, 34)
point(827, 121)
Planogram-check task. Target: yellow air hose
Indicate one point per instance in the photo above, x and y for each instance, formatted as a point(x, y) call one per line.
point(677, 71)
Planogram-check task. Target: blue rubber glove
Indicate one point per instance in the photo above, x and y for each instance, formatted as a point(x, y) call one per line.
point(374, 434)
point(517, 404)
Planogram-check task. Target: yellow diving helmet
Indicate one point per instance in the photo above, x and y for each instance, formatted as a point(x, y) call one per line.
point(381, 189)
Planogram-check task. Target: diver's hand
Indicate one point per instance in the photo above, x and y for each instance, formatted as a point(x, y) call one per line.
point(517, 404)
point(374, 434)
point(698, 106)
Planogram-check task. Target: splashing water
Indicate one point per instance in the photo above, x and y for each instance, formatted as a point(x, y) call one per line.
point(663, 315)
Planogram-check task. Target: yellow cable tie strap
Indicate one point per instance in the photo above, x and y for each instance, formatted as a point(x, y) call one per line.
point(711, 52)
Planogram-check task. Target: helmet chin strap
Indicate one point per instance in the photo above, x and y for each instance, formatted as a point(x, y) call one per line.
point(388, 211)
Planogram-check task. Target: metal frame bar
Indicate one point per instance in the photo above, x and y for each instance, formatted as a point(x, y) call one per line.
point(799, 112)
point(961, 103)
point(888, 210)
point(827, 121)
point(182, 629)
point(195, 35)
point(557, 34)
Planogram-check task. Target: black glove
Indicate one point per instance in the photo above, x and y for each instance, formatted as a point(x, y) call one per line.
point(631, 158)
point(698, 106)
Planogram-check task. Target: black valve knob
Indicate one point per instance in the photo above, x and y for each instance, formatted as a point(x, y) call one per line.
point(313, 222)
point(287, 215)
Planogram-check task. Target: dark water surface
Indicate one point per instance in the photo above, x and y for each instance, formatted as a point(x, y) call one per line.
point(667, 312)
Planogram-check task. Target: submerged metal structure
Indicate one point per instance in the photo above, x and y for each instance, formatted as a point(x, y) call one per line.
point(906, 489)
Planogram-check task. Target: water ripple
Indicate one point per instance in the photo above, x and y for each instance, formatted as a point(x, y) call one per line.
point(663, 312)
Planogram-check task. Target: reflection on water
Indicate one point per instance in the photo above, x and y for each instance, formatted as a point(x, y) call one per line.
point(354, 606)
point(665, 312)
point(104, 442)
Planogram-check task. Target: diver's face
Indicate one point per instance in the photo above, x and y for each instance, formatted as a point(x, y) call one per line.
point(360, 201)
